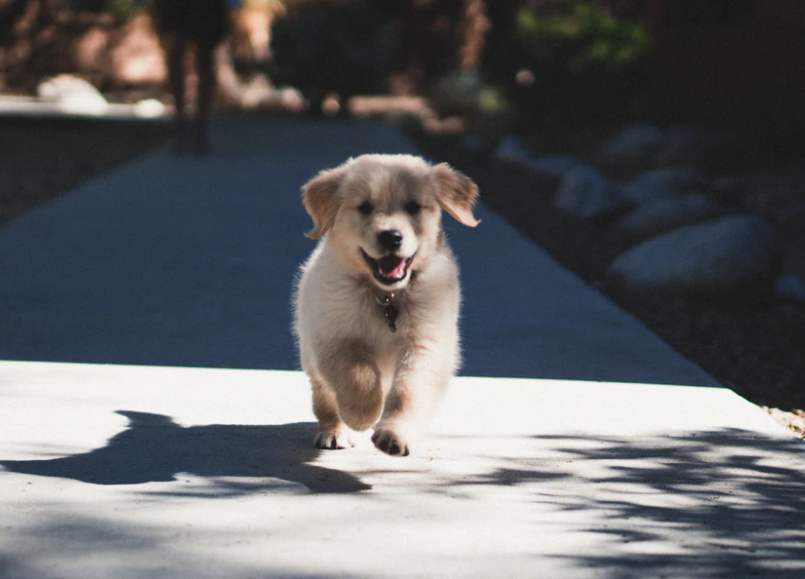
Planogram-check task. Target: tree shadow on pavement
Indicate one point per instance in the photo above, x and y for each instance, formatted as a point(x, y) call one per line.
point(723, 504)
point(155, 449)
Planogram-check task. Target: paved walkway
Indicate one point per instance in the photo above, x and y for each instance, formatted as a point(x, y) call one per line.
point(153, 424)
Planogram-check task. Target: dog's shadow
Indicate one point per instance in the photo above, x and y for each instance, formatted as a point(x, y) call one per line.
point(154, 448)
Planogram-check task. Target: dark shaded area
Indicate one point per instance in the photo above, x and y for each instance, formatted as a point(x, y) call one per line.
point(732, 61)
point(683, 13)
point(10, 12)
point(756, 350)
point(155, 449)
point(50, 155)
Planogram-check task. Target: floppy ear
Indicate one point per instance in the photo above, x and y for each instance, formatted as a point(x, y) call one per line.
point(321, 199)
point(456, 193)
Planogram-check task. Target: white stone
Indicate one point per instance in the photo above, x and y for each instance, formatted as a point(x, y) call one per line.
point(73, 95)
point(586, 194)
point(149, 108)
point(666, 213)
point(291, 98)
point(731, 256)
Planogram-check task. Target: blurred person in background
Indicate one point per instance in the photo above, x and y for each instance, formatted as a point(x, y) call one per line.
point(200, 25)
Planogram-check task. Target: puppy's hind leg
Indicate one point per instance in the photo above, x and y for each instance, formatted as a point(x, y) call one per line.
point(333, 433)
point(418, 386)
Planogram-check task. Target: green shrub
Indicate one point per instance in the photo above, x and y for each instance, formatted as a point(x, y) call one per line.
point(588, 57)
point(464, 93)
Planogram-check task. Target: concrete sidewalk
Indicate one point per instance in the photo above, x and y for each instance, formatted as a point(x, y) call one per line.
point(121, 456)
point(190, 262)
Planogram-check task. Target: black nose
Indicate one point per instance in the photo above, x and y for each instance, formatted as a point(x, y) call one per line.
point(390, 240)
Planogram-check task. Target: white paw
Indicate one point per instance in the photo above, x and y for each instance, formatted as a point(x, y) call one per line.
point(333, 439)
point(391, 441)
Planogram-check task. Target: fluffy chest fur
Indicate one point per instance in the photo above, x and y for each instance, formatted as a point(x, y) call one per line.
point(333, 305)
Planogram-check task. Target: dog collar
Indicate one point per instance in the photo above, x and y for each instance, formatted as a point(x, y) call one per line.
point(389, 311)
point(386, 299)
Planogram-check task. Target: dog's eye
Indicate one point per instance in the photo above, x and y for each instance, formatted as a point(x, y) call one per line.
point(413, 207)
point(365, 208)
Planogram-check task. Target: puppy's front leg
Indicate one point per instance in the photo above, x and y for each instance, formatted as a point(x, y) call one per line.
point(333, 433)
point(418, 386)
point(352, 374)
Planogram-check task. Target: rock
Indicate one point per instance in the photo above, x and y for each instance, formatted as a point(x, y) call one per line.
point(512, 149)
point(789, 289)
point(681, 145)
point(149, 109)
point(73, 95)
point(586, 194)
point(680, 178)
point(732, 257)
point(728, 190)
point(647, 187)
point(254, 92)
point(552, 165)
point(665, 214)
point(644, 145)
point(290, 99)
point(634, 147)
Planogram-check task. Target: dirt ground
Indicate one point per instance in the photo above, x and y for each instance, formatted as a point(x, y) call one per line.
point(757, 351)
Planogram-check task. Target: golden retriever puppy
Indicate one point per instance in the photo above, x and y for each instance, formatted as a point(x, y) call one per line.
point(377, 302)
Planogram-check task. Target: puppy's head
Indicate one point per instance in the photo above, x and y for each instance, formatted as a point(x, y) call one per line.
point(382, 213)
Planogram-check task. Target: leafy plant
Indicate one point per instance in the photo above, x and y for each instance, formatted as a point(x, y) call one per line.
point(586, 57)
point(463, 92)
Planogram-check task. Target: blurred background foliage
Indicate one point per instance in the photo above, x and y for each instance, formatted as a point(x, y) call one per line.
point(567, 55)
point(348, 49)
point(465, 56)
point(584, 57)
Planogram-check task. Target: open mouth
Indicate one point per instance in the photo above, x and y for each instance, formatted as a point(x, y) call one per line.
point(389, 269)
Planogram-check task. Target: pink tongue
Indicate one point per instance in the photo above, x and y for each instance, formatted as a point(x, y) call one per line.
point(391, 266)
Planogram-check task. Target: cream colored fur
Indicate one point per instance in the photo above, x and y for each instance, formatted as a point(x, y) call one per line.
point(360, 371)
